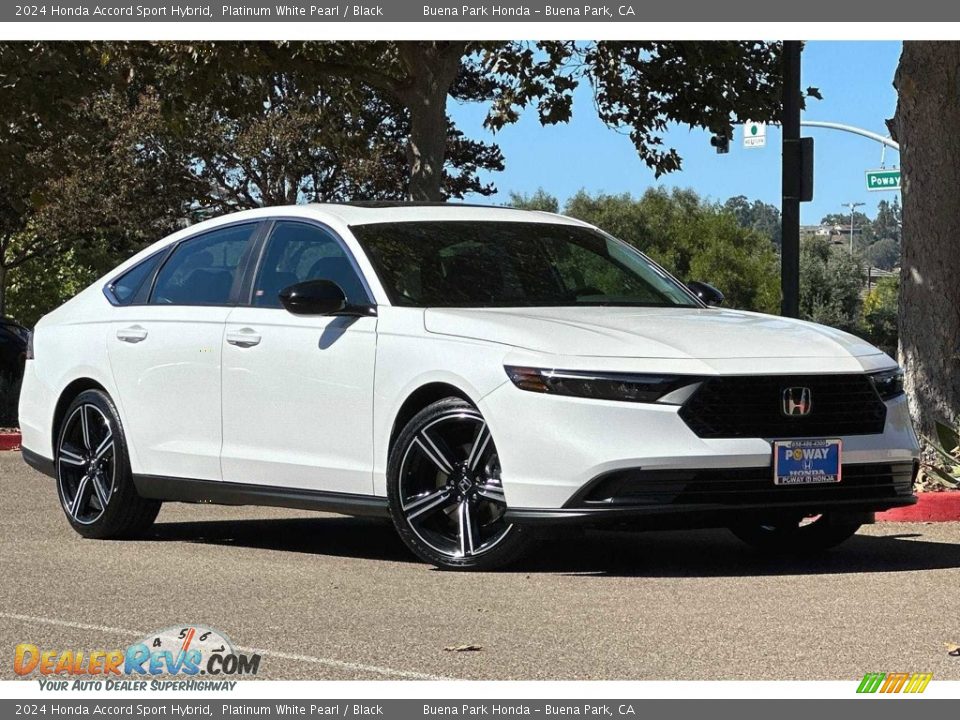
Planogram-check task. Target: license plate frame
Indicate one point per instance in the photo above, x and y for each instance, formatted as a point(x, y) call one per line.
point(800, 462)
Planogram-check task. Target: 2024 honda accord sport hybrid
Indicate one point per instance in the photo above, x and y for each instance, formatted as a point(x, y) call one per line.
point(467, 372)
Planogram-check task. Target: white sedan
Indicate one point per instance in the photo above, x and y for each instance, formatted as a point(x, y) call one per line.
point(468, 372)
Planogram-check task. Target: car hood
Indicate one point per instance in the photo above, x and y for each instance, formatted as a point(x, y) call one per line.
point(618, 332)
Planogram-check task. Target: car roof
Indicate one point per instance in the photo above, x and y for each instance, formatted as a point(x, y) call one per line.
point(366, 213)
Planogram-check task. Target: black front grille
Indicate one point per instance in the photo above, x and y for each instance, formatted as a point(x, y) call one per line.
point(744, 486)
point(752, 406)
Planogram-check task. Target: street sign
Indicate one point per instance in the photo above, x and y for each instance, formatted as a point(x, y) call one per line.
point(754, 135)
point(883, 179)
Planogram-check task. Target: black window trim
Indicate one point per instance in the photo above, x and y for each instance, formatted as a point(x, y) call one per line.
point(259, 250)
point(147, 282)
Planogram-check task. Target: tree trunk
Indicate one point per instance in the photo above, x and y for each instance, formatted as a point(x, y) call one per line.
point(426, 147)
point(926, 125)
point(431, 70)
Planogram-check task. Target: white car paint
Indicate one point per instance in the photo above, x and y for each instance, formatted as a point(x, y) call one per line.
point(313, 403)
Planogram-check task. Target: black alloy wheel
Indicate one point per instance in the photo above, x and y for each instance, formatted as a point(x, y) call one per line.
point(445, 490)
point(94, 481)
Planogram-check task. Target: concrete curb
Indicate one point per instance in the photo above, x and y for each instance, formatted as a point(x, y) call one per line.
point(10, 441)
point(930, 507)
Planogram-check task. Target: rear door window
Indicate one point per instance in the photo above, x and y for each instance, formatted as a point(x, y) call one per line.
point(203, 270)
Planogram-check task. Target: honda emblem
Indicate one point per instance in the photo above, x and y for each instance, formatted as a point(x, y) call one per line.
point(797, 401)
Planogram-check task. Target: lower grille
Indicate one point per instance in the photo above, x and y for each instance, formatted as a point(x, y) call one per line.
point(743, 486)
point(752, 406)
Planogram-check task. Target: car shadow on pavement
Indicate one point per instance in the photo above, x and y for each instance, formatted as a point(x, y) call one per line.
point(689, 553)
point(716, 553)
point(364, 538)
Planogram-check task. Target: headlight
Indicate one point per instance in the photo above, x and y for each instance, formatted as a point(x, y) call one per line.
point(889, 383)
point(628, 387)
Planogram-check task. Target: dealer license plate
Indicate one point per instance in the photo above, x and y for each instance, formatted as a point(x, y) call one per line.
point(806, 462)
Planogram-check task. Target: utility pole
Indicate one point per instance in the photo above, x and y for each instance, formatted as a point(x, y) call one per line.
point(853, 208)
point(790, 181)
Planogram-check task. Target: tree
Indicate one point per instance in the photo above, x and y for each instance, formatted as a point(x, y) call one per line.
point(264, 128)
point(889, 221)
point(42, 85)
point(880, 314)
point(639, 87)
point(83, 163)
point(108, 146)
point(540, 200)
point(925, 124)
point(830, 283)
point(884, 253)
point(757, 215)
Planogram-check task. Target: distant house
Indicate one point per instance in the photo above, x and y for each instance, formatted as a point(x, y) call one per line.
point(875, 274)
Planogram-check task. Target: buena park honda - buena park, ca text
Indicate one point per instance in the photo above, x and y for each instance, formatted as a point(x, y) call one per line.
point(308, 10)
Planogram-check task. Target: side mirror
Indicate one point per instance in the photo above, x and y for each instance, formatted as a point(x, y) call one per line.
point(314, 297)
point(706, 292)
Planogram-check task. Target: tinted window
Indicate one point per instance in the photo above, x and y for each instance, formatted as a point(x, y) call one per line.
point(297, 252)
point(201, 270)
point(125, 287)
point(503, 264)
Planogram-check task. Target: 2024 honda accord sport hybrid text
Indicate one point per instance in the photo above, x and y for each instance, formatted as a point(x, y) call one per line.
point(467, 372)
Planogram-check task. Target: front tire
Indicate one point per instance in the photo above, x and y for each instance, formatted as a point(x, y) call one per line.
point(94, 480)
point(444, 490)
point(795, 536)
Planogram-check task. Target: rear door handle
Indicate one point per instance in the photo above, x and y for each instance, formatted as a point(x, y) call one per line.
point(133, 334)
point(243, 338)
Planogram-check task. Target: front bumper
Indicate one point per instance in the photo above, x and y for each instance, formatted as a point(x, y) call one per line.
point(710, 497)
point(552, 448)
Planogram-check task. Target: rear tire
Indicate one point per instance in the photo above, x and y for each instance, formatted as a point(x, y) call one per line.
point(444, 491)
point(795, 536)
point(94, 480)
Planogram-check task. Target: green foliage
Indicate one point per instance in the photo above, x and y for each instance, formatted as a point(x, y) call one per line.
point(42, 284)
point(830, 284)
point(884, 254)
point(944, 469)
point(694, 239)
point(105, 146)
point(880, 308)
point(757, 215)
point(540, 200)
point(878, 240)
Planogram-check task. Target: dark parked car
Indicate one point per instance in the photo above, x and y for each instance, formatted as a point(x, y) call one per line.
point(13, 353)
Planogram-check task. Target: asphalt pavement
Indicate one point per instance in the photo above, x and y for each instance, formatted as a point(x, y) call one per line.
point(328, 597)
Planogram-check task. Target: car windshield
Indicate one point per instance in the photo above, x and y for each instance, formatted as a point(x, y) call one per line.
point(512, 264)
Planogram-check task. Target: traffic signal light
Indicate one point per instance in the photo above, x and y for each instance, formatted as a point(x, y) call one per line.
point(721, 143)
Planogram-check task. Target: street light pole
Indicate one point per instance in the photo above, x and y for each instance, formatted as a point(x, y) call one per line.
point(853, 207)
point(790, 181)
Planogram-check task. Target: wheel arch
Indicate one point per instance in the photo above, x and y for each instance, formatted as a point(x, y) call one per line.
point(421, 398)
point(67, 396)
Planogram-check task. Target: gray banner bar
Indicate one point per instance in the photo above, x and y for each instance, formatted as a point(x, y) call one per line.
point(215, 708)
point(479, 11)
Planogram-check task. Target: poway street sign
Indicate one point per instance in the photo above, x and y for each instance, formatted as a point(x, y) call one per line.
point(883, 179)
point(754, 135)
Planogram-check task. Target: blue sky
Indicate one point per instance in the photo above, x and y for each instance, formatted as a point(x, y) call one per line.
point(855, 79)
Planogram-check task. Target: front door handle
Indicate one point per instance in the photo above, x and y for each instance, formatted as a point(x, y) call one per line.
point(243, 338)
point(133, 334)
